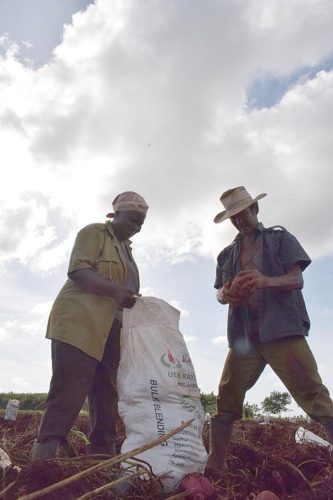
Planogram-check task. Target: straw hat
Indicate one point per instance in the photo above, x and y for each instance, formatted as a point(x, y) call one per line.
point(234, 201)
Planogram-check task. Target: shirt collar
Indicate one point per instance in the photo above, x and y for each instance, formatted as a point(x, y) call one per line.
point(259, 227)
point(109, 228)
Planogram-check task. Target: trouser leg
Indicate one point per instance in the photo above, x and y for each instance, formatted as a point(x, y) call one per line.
point(103, 396)
point(293, 362)
point(240, 373)
point(73, 372)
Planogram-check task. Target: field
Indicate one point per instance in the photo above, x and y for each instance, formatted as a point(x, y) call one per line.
point(262, 457)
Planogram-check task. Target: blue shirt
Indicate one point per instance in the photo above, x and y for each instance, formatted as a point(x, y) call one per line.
point(280, 313)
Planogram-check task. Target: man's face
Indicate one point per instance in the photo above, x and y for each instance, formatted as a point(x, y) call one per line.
point(246, 220)
point(127, 224)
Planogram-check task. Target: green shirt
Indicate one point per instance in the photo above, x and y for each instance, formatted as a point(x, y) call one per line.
point(84, 319)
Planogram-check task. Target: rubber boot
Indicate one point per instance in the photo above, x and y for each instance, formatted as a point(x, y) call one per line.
point(327, 423)
point(104, 449)
point(219, 441)
point(122, 489)
point(44, 451)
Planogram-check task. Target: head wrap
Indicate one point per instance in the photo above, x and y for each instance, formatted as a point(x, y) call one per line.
point(128, 200)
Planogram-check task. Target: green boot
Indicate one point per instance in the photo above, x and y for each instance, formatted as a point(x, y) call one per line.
point(104, 449)
point(122, 489)
point(327, 423)
point(220, 437)
point(44, 451)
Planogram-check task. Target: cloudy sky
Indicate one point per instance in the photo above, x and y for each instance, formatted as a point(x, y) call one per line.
point(178, 100)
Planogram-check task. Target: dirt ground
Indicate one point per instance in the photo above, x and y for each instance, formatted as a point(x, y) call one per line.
point(262, 457)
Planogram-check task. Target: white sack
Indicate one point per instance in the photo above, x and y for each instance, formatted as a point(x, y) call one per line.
point(304, 436)
point(4, 459)
point(157, 390)
point(12, 409)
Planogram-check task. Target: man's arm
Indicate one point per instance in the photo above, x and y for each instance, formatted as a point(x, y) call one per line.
point(251, 280)
point(91, 282)
point(255, 280)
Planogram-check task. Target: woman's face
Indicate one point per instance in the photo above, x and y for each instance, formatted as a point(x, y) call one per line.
point(126, 224)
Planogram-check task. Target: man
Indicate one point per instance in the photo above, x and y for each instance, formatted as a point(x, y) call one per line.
point(84, 327)
point(260, 276)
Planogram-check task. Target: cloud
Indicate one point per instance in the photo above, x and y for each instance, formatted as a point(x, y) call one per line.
point(161, 108)
point(220, 340)
point(4, 332)
point(147, 292)
point(19, 382)
point(176, 304)
point(328, 311)
point(22, 322)
point(190, 338)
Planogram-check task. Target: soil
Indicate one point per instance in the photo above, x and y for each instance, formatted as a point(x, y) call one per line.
point(262, 456)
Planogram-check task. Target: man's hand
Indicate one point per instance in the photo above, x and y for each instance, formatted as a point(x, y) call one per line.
point(231, 293)
point(252, 279)
point(255, 280)
point(243, 285)
point(238, 290)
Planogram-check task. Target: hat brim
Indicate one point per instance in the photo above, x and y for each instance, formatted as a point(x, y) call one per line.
point(220, 217)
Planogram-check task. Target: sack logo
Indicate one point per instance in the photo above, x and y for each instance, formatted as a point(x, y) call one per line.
point(170, 361)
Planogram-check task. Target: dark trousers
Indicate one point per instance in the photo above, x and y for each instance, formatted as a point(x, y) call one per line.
point(75, 376)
